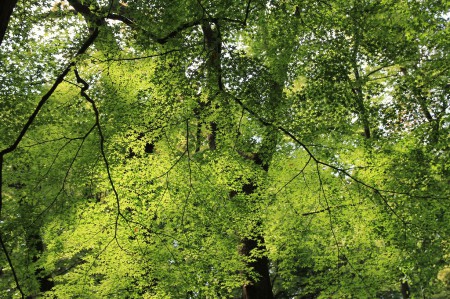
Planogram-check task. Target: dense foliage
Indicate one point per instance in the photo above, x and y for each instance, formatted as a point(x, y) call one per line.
point(225, 149)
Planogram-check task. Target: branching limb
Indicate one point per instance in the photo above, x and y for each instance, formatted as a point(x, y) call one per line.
point(88, 42)
point(160, 40)
point(65, 177)
point(294, 177)
point(69, 140)
point(376, 190)
point(180, 28)
point(102, 150)
point(340, 254)
point(330, 215)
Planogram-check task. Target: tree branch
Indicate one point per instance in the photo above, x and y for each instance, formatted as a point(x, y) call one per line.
point(164, 39)
point(6, 10)
point(247, 11)
point(8, 258)
point(159, 40)
point(102, 150)
point(63, 185)
point(376, 190)
point(89, 41)
point(44, 99)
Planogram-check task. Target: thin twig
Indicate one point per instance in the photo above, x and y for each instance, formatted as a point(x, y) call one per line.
point(65, 177)
point(315, 159)
point(141, 57)
point(338, 247)
point(190, 173)
point(294, 177)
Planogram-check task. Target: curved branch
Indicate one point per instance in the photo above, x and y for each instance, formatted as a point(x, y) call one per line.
point(159, 40)
point(89, 41)
point(12, 267)
point(102, 150)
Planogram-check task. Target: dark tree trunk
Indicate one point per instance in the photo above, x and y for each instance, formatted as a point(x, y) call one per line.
point(260, 288)
point(357, 89)
point(36, 244)
point(405, 290)
point(6, 10)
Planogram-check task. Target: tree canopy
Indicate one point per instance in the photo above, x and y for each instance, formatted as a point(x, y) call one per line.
point(253, 149)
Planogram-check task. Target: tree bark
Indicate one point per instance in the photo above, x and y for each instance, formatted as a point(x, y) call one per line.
point(405, 290)
point(260, 288)
point(357, 89)
point(6, 10)
point(434, 123)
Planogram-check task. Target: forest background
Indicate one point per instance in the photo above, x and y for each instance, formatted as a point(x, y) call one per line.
point(224, 149)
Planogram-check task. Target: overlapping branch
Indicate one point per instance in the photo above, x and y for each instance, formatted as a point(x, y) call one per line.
point(376, 190)
point(102, 147)
point(83, 139)
point(87, 43)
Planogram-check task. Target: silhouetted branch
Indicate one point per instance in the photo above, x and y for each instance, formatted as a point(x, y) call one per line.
point(102, 149)
point(247, 11)
point(376, 190)
point(83, 139)
point(88, 42)
point(8, 258)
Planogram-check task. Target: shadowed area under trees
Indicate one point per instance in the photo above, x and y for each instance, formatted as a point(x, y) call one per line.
point(224, 149)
